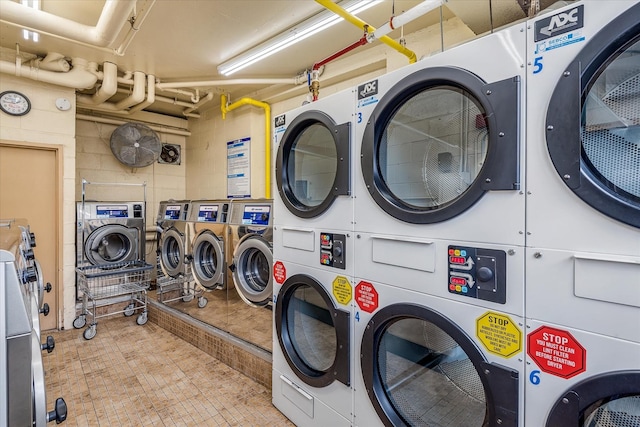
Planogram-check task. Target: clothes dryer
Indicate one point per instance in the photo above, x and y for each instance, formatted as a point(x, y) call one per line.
point(440, 176)
point(427, 360)
point(251, 239)
point(172, 239)
point(583, 210)
point(110, 232)
point(207, 222)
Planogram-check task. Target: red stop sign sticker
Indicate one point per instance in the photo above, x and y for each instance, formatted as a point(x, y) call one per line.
point(279, 272)
point(556, 352)
point(366, 297)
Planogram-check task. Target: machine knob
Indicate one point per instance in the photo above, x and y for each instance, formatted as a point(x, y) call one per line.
point(59, 414)
point(49, 345)
point(47, 287)
point(45, 309)
point(29, 275)
point(32, 239)
point(337, 251)
point(484, 274)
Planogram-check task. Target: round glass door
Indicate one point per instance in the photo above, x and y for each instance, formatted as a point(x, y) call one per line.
point(312, 165)
point(172, 252)
point(208, 261)
point(420, 369)
point(252, 274)
point(313, 334)
point(594, 147)
point(433, 145)
point(111, 244)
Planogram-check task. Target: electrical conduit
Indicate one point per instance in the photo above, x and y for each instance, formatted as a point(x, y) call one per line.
point(330, 5)
point(267, 135)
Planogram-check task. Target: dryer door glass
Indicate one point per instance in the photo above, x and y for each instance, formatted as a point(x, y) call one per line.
point(311, 328)
point(312, 165)
point(427, 377)
point(433, 147)
point(619, 412)
point(610, 127)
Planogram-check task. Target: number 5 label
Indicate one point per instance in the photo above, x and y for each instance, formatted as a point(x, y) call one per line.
point(537, 65)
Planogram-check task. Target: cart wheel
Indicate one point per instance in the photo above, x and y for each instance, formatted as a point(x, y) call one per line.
point(90, 332)
point(129, 310)
point(202, 302)
point(142, 318)
point(80, 321)
point(187, 297)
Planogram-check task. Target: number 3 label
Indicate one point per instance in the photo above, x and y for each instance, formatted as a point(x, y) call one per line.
point(537, 65)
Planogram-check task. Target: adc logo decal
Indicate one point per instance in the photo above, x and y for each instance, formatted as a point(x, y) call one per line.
point(368, 89)
point(559, 23)
point(279, 121)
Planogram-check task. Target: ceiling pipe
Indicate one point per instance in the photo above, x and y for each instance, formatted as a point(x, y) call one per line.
point(398, 21)
point(212, 83)
point(79, 77)
point(106, 90)
point(203, 101)
point(328, 4)
point(136, 22)
point(117, 122)
point(114, 16)
point(151, 95)
point(52, 62)
point(137, 94)
point(267, 133)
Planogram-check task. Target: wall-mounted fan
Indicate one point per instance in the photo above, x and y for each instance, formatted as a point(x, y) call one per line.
point(135, 145)
point(170, 154)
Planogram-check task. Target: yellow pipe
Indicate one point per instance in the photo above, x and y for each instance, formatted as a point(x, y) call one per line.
point(328, 4)
point(267, 132)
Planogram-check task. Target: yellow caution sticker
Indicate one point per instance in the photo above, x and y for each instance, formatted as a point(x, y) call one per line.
point(499, 334)
point(342, 290)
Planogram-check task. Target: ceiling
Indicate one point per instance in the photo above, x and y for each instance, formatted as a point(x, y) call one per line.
point(185, 40)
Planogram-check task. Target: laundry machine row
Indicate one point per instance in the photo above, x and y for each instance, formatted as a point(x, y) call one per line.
point(459, 287)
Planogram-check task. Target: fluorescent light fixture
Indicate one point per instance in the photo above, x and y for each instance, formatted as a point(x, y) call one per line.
point(35, 4)
point(311, 26)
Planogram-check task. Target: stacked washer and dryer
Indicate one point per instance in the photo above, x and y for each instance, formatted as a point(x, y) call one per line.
point(583, 216)
point(314, 263)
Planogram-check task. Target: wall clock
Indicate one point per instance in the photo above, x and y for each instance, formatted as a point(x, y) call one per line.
point(14, 103)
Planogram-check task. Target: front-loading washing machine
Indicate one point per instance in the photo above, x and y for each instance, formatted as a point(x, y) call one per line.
point(251, 239)
point(314, 261)
point(433, 361)
point(172, 238)
point(583, 214)
point(109, 232)
point(207, 222)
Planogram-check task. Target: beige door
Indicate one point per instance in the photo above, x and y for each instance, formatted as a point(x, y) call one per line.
point(29, 188)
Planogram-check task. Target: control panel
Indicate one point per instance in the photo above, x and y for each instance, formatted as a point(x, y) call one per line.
point(332, 250)
point(478, 273)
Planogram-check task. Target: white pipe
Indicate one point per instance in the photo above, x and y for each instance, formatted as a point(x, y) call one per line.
point(137, 95)
point(408, 16)
point(203, 101)
point(52, 62)
point(89, 118)
point(113, 17)
point(78, 78)
point(172, 101)
point(151, 95)
point(139, 18)
point(106, 90)
point(209, 83)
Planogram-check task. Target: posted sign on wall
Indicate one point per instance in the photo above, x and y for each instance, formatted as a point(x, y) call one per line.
point(239, 168)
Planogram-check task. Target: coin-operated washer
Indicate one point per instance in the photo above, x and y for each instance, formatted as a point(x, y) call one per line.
point(583, 216)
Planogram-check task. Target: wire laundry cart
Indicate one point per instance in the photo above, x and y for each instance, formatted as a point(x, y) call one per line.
point(182, 287)
point(98, 282)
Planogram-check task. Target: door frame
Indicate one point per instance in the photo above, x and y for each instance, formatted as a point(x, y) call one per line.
point(57, 210)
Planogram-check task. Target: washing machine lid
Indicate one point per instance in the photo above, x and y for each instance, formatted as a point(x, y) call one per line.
point(252, 266)
point(313, 163)
point(438, 140)
point(412, 357)
point(593, 121)
point(313, 334)
point(172, 252)
point(208, 264)
point(605, 400)
point(112, 243)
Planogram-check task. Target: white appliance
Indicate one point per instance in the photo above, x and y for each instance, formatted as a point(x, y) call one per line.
point(208, 245)
point(172, 238)
point(251, 239)
point(427, 360)
point(314, 262)
point(583, 215)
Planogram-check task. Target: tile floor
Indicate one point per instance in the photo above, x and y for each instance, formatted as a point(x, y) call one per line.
point(130, 375)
